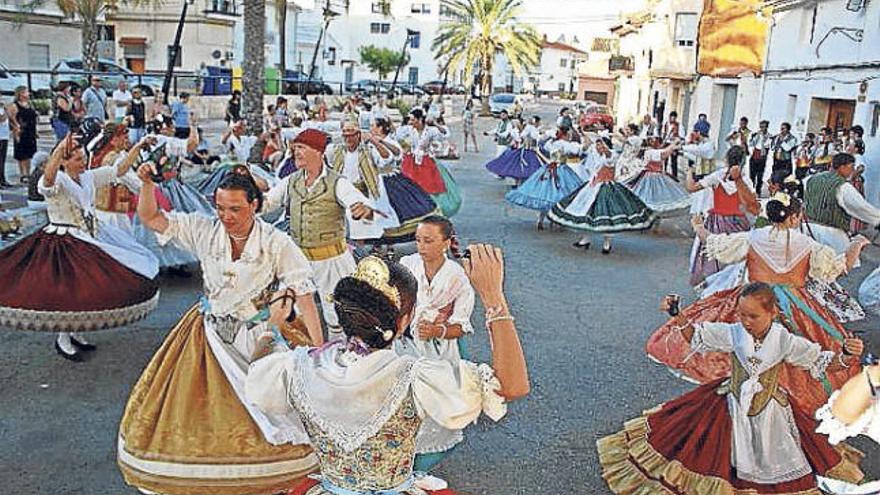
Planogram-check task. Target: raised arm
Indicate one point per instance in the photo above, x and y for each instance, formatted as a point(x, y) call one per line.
point(133, 155)
point(50, 171)
point(147, 208)
point(485, 269)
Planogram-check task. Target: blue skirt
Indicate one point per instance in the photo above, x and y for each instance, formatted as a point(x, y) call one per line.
point(287, 167)
point(545, 188)
point(186, 198)
point(515, 163)
point(409, 201)
point(449, 201)
point(209, 184)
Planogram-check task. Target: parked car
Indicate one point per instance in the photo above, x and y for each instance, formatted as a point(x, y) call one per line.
point(501, 101)
point(435, 87)
point(594, 115)
point(366, 86)
point(71, 71)
point(10, 80)
point(293, 85)
point(404, 88)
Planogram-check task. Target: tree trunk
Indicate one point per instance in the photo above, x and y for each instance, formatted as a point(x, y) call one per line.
point(282, 36)
point(486, 90)
point(89, 43)
point(254, 63)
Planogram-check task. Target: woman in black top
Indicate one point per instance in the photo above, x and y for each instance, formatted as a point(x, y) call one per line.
point(23, 118)
point(233, 108)
point(63, 119)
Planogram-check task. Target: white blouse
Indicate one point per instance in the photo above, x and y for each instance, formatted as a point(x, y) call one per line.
point(269, 255)
point(781, 249)
point(371, 387)
point(449, 290)
point(69, 202)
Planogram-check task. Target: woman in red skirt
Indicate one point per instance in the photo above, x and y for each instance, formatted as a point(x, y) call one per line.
point(421, 142)
point(740, 434)
point(77, 273)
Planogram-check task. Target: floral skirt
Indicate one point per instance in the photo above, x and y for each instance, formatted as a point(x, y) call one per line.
point(659, 191)
point(701, 266)
point(515, 163)
point(425, 174)
point(603, 207)
point(185, 432)
point(545, 188)
point(807, 316)
point(684, 447)
point(313, 487)
point(59, 283)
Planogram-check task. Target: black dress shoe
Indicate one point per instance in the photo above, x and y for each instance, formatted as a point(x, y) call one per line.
point(583, 245)
point(83, 346)
point(606, 250)
point(75, 357)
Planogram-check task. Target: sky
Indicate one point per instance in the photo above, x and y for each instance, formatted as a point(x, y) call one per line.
point(585, 18)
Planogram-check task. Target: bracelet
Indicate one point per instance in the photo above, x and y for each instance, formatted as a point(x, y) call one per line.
point(490, 321)
point(840, 360)
point(445, 329)
point(495, 311)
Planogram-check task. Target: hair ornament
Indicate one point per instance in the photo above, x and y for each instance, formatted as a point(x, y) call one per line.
point(783, 198)
point(374, 272)
point(387, 335)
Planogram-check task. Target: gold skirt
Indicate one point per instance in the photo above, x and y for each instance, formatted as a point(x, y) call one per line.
point(185, 432)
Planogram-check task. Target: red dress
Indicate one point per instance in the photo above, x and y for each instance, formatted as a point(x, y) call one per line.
point(667, 346)
point(425, 174)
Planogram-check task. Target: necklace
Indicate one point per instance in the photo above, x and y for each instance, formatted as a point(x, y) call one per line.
point(238, 238)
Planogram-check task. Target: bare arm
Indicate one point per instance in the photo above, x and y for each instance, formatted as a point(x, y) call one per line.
point(690, 184)
point(747, 198)
point(856, 396)
point(50, 171)
point(485, 269)
point(147, 208)
point(193, 142)
point(309, 312)
point(132, 156)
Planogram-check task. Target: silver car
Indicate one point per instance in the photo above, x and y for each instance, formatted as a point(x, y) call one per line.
point(501, 101)
point(71, 71)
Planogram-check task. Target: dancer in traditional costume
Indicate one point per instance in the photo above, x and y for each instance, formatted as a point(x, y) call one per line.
point(602, 205)
point(187, 428)
point(744, 432)
point(779, 255)
point(184, 198)
point(721, 200)
point(114, 202)
point(659, 191)
point(503, 135)
point(420, 142)
point(368, 447)
point(441, 321)
point(629, 160)
point(832, 203)
point(520, 161)
point(358, 158)
point(316, 199)
point(76, 274)
point(239, 146)
point(410, 203)
point(553, 181)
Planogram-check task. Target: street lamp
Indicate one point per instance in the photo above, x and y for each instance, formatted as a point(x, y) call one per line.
point(174, 52)
point(328, 16)
point(409, 34)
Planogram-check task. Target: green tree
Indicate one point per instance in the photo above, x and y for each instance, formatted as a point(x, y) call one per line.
point(480, 30)
point(382, 61)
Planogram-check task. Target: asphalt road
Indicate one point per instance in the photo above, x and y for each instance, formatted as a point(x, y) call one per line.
point(583, 317)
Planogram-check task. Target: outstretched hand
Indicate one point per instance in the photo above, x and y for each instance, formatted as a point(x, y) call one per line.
point(485, 270)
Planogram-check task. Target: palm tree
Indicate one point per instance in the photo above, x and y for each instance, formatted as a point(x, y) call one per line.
point(253, 66)
point(482, 29)
point(281, 17)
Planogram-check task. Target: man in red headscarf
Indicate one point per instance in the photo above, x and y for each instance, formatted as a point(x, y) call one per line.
point(316, 198)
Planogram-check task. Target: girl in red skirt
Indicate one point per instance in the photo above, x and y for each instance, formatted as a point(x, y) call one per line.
point(741, 434)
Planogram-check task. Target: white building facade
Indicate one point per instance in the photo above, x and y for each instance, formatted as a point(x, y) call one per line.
point(823, 70)
point(560, 66)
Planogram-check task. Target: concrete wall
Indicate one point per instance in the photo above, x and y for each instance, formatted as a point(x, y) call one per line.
point(64, 39)
point(588, 84)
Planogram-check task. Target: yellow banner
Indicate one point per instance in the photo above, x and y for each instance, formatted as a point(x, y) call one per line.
point(732, 38)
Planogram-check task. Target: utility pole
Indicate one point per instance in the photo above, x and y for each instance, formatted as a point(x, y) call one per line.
point(409, 34)
point(174, 52)
point(328, 16)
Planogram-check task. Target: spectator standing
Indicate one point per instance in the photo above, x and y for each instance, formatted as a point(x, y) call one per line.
point(671, 135)
point(95, 100)
point(137, 117)
point(4, 143)
point(467, 121)
point(180, 116)
point(784, 145)
point(23, 123)
point(78, 107)
point(121, 101)
point(233, 108)
point(702, 125)
point(62, 112)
